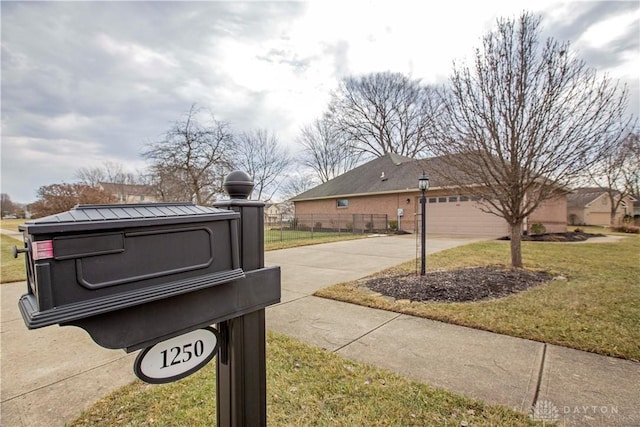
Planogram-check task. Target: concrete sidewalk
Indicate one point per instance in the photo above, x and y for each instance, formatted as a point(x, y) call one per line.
point(49, 375)
point(561, 384)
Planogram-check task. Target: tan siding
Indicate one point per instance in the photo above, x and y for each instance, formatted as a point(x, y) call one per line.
point(597, 218)
point(463, 218)
point(552, 214)
point(598, 212)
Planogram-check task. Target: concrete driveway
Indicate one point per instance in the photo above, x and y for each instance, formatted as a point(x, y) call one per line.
point(309, 268)
point(50, 375)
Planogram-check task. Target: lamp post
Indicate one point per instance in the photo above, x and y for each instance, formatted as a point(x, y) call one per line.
point(423, 185)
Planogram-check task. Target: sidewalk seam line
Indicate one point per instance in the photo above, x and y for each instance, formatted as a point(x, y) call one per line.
point(367, 333)
point(540, 373)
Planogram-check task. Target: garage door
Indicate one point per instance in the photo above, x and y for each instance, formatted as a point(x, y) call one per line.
point(456, 215)
point(597, 218)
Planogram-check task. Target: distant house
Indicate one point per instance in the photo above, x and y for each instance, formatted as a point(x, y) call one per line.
point(592, 206)
point(389, 185)
point(276, 213)
point(129, 193)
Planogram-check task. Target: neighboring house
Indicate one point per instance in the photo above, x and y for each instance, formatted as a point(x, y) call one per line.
point(275, 213)
point(129, 193)
point(592, 206)
point(389, 185)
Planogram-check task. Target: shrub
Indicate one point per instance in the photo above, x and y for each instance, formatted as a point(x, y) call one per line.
point(578, 230)
point(538, 228)
point(393, 225)
point(318, 225)
point(626, 228)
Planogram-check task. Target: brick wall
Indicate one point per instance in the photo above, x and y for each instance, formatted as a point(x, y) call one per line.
point(387, 204)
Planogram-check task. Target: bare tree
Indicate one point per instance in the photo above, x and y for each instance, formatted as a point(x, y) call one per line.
point(169, 185)
point(298, 184)
point(110, 172)
point(7, 207)
point(192, 157)
point(631, 166)
point(91, 175)
point(259, 154)
point(326, 151)
point(520, 124)
point(618, 171)
point(384, 113)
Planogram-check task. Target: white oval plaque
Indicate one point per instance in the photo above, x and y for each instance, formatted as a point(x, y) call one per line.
point(177, 357)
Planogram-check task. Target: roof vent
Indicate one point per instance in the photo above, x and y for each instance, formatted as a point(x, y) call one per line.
point(382, 177)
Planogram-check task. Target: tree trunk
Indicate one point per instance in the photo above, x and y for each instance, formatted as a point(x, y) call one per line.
point(516, 245)
point(612, 217)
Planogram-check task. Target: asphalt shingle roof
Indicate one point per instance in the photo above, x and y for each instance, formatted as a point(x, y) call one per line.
point(581, 197)
point(389, 173)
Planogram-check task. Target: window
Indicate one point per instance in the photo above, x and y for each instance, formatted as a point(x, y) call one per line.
point(476, 198)
point(342, 203)
point(442, 200)
point(432, 200)
point(453, 199)
point(142, 198)
point(464, 198)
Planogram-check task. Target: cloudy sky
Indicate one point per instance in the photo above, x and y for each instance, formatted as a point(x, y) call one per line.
point(89, 82)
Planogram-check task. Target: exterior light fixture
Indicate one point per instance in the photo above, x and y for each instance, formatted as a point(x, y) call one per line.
point(423, 182)
point(423, 185)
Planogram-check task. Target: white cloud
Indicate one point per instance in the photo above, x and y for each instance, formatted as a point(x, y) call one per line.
point(69, 122)
point(600, 33)
point(93, 81)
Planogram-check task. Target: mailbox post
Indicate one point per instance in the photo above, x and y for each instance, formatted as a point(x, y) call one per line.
point(241, 364)
point(150, 276)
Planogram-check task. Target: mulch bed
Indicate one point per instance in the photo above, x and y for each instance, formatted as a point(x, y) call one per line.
point(466, 284)
point(470, 284)
point(576, 236)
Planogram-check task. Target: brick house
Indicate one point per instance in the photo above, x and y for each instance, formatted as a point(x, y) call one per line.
point(389, 185)
point(592, 206)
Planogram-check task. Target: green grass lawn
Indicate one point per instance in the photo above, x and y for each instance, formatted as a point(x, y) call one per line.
point(305, 386)
point(11, 224)
point(282, 239)
point(12, 269)
point(597, 309)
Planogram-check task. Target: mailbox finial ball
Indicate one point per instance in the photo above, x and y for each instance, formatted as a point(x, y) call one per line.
point(238, 185)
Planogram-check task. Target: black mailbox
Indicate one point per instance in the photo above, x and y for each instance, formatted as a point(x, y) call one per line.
point(132, 275)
